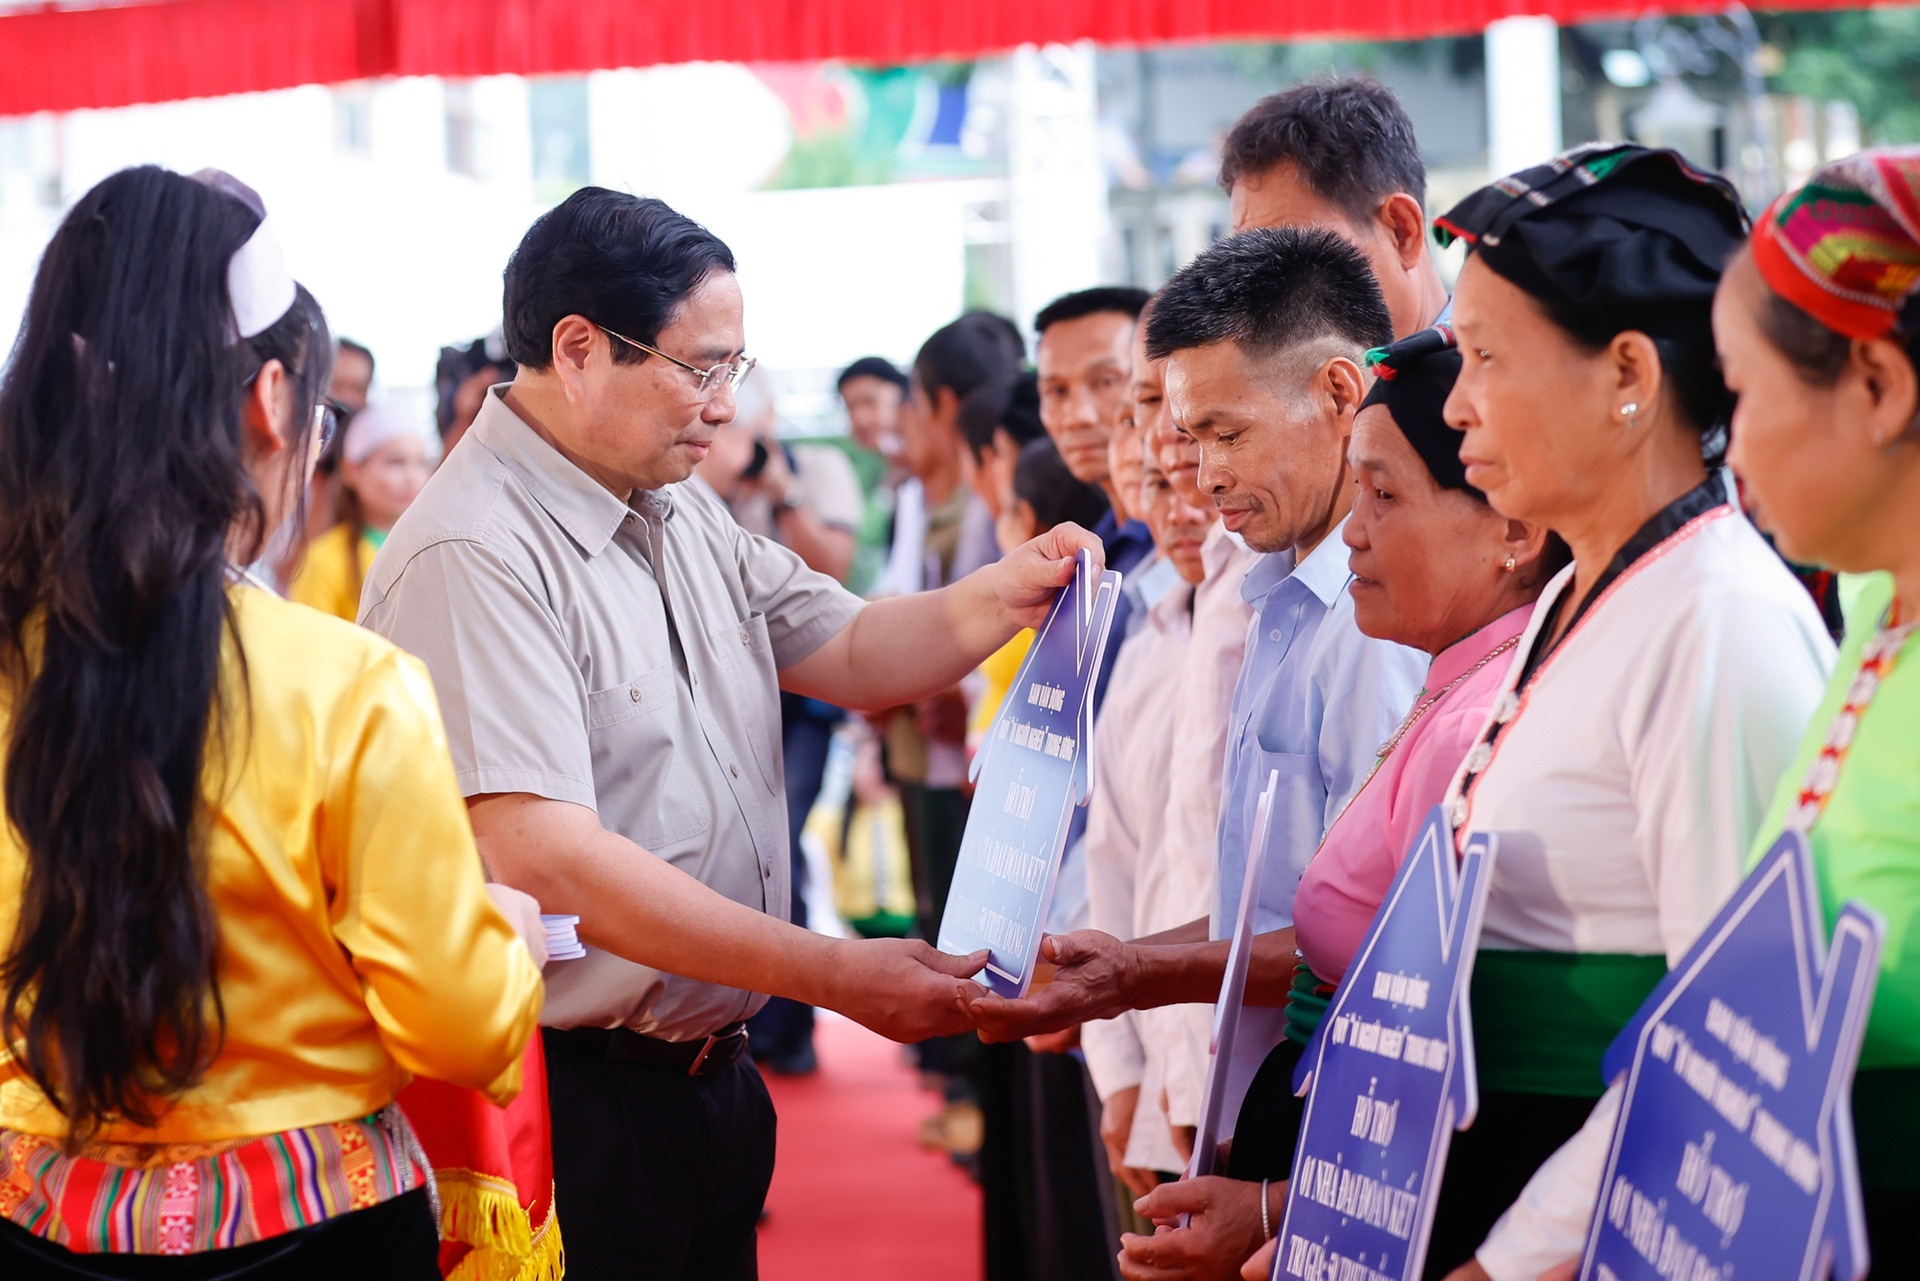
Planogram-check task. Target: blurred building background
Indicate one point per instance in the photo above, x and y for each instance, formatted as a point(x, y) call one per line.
point(868, 205)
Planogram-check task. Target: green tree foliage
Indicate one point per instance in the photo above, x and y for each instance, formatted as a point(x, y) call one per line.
point(1869, 58)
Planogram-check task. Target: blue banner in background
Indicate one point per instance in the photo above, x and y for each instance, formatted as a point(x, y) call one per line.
point(1733, 1154)
point(1389, 1075)
point(1032, 769)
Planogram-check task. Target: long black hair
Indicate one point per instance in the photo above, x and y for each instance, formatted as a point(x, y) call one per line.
point(123, 494)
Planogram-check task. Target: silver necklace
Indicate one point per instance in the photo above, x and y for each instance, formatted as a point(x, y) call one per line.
point(1421, 709)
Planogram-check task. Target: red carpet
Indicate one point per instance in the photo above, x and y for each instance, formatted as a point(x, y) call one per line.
point(854, 1196)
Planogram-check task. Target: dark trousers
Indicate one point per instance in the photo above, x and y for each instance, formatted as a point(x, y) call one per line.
point(1269, 1123)
point(1050, 1213)
point(1489, 1164)
point(392, 1241)
point(935, 819)
point(784, 1026)
point(658, 1176)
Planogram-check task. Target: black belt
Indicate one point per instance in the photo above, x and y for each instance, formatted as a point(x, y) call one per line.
point(707, 1056)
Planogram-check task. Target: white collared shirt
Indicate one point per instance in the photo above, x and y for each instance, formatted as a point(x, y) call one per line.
point(1192, 824)
point(1125, 844)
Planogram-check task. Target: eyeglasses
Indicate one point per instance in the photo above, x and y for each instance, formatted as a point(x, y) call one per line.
point(326, 425)
point(731, 372)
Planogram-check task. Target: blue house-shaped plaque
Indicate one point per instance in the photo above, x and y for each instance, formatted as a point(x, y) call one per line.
point(1389, 1075)
point(1733, 1153)
point(1033, 768)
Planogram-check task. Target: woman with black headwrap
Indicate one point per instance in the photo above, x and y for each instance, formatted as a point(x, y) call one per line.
point(1435, 568)
point(1665, 677)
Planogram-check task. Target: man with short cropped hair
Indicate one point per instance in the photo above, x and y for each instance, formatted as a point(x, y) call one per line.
point(1341, 155)
point(609, 648)
point(1085, 365)
point(1264, 336)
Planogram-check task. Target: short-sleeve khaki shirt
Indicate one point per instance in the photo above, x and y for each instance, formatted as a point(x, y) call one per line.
point(621, 656)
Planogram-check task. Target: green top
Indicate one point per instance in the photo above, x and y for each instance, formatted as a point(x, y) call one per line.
point(1866, 845)
point(376, 538)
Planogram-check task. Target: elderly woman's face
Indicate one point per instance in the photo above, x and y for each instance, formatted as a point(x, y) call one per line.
point(1535, 407)
point(1429, 563)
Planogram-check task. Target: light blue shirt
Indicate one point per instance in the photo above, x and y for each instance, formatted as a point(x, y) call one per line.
point(1316, 700)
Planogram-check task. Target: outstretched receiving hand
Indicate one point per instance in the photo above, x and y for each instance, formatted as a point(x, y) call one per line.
point(1091, 982)
point(904, 989)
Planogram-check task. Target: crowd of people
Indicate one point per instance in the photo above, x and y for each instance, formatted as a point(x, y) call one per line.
point(404, 832)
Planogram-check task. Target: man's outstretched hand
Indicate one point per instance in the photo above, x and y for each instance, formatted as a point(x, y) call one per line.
point(904, 989)
point(1092, 981)
point(1025, 580)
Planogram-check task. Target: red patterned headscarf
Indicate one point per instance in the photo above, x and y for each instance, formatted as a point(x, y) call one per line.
point(1845, 248)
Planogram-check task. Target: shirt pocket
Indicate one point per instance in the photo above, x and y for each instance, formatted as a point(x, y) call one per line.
point(746, 651)
point(630, 728)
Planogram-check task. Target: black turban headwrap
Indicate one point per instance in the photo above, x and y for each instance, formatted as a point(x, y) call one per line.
point(1413, 378)
point(1610, 235)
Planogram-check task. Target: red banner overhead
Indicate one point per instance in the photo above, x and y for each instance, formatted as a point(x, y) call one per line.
point(54, 59)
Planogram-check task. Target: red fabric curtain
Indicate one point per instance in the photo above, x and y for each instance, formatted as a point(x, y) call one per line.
point(62, 60)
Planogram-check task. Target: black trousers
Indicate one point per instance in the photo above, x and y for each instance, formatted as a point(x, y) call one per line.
point(1269, 1124)
point(1049, 1210)
point(658, 1176)
point(392, 1241)
point(935, 819)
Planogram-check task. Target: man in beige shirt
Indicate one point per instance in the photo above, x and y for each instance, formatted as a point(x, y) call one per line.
point(608, 646)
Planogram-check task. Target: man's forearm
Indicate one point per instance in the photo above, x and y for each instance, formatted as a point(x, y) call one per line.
point(1195, 931)
point(636, 906)
point(905, 648)
point(641, 908)
point(1183, 973)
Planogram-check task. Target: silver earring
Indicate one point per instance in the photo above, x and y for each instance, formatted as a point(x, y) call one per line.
point(1510, 564)
point(1630, 412)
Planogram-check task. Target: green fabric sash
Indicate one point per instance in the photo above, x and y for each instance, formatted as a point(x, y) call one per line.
point(1307, 1002)
point(1542, 1021)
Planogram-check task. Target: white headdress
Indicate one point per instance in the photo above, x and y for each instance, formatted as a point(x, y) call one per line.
point(384, 421)
point(258, 283)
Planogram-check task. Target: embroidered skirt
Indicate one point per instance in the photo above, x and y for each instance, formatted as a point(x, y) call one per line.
point(190, 1198)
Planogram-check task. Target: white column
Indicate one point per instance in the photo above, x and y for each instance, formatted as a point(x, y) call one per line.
point(1523, 93)
point(1057, 187)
